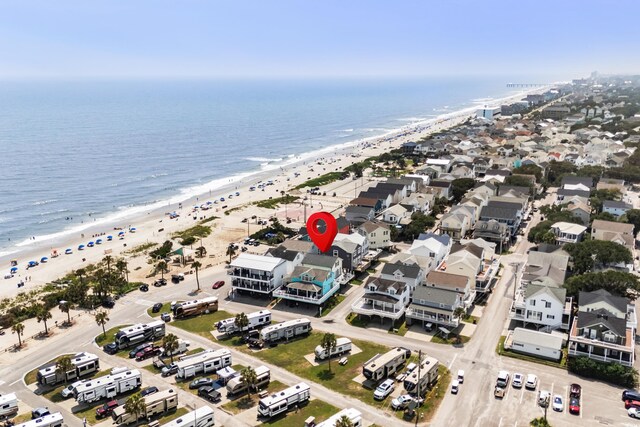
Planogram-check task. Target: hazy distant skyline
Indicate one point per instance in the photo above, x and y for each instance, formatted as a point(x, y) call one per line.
point(287, 38)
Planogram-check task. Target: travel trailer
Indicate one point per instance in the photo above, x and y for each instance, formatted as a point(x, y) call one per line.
point(256, 319)
point(353, 414)
point(182, 347)
point(156, 403)
point(284, 400)
point(111, 385)
point(83, 364)
point(8, 405)
point(201, 417)
point(343, 346)
point(236, 385)
point(203, 362)
point(285, 330)
point(51, 420)
point(381, 366)
point(423, 376)
point(195, 307)
point(142, 332)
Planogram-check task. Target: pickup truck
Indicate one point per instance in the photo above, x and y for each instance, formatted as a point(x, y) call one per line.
point(148, 352)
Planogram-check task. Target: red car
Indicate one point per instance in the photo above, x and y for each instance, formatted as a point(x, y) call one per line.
point(218, 284)
point(574, 406)
point(148, 352)
point(631, 404)
point(106, 409)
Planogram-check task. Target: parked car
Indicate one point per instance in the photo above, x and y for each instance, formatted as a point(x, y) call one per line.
point(68, 390)
point(210, 394)
point(144, 287)
point(634, 413)
point(160, 282)
point(169, 370)
point(631, 404)
point(455, 385)
point(503, 379)
point(499, 392)
point(576, 391)
point(149, 390)
point(401, 401)
point(558, 404)
point(176, 278)
point(148, 352)
point(201, 382)
point(156, 307)
point(384, 389)
point(108, 302)
point(137, 349)
point(543, 398)
point(574, 406)
point(518, 380)
point(39, 412)
point(218, 284)
point(532, 382)
point(106, 409)
point(110, 348)
point(166, 317)
point(460, 376)
point(250, 334)
point(629, 395)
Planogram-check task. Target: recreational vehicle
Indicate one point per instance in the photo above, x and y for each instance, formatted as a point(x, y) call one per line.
point(51, 420)
point(156, 403)
point(83, 364)
point(423, 376)
point(182, 347)
point(236, 385)
point(201, 417)
point(285, 330)
point(343, 345)
point(256, 319)
point(195, 307)
point(203, 362)
point(381, 366)
point(108, 386)
point(8, 405)
point(353, 414)
point(142, 332)
point(284, 400)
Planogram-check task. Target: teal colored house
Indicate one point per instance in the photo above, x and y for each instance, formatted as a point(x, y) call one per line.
point(312, 282)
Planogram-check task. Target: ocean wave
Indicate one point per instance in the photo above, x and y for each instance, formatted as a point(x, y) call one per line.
point(264, 159)
point(53, 212)
point(411, 119)
point(346, 130)
point(45, 202)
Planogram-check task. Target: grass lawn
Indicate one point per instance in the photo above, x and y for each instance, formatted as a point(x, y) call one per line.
point(399, 330)
point(356, 320)
point(452, 340)
point(433, 397)
point(562, 364)
point(22, 418)
point(245, 402)
point(203, 324)
point(166, 308)
point(319, 409)
point(356, 282)
point(103, 339)
point(32, 376)
point(471, 319)
point(332, 303)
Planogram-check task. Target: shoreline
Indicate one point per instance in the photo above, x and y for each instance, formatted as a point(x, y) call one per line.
point(151, 218)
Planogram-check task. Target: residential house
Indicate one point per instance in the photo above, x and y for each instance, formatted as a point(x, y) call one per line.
point(615, 207)
point(469, 260)
point(618, 232)
point(378, 234)
point(503, 212)
point(419, 202)
point(580, 210)
point(486, 188)
point(440, 188)
point(604, 329)
point(543, 306)
point(384, 298)
point(569, 180)
point(611, 184)
point(547, 267)
point(314, 281)
point(457, 222)
point(257, 274)
point(568, 232)
point(359, 214)
point(385, 199)
point(367, 202)
point(442, 165)
point(431, 247)
point(411, 274)
point(493, 231)
point(563, 195)
point(350, 248)
point(396, 215)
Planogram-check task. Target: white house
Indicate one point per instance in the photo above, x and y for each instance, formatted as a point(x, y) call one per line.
point(384, 298)
point(568, 232)
point(489, 113)
point(377, 234)
point(535, 343)
point(257, 273)
point(543, 306)
point(432, 246)
point(396, 214)
point(411, 274)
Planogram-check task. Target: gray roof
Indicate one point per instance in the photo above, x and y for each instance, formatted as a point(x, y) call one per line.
point(469, 247)
point(382, 285)
point(581, 193)
point(442, 238)
point(359, 210)
point(518, 189)
point(282, 252)
point(586, 298)
point(504, 204)
point(494, 212)
point(325, 261)
point(574, 180)
point(410, 271)
point(542, 339)
point(435, 295)
point(439, 183)
point(602, 316)
point(548, 265)
point(615, 204)
point(559, 293)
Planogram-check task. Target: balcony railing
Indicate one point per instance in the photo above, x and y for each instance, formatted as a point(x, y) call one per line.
point(608, 359)
point(362, 306)
point(248, 274)
point(250, 285)
point(599, 343)
point(419, 315)
point(319, 298)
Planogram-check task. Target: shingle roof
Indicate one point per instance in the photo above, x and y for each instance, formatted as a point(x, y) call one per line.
point(370, 226)
point(448, 280)
point(382, 285)
point(559, 293)
point(615, 204)
point(410, 271)
point(618, 227)
point(282, 252)
point(587, 298)
point(601, 316)
point(316, 260)
point(494, 212)
point(573, 180)
point(434, 295)
point(469, 247)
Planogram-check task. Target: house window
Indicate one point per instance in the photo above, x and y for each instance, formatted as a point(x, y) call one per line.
point(551, 316)
point(609, 337)
point(441, 305)
point(335, 252)
point(547, 304)
point(372, 288)
point(533, 302)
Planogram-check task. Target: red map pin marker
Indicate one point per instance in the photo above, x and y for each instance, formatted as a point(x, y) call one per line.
point(323, 240)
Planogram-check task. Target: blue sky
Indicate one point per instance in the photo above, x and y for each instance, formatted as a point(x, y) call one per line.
point(304, 38)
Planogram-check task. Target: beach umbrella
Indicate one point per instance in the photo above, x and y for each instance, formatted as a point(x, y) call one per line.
point(121, 233)
point(90, 244)
point(80, 247)
point(109, 238)
point(68, 251)
point(14, 269)
point(132, 230)
point(44, 259)
point(98, 241)
point(32, 263)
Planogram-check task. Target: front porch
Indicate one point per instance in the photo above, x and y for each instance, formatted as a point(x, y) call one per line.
point(305, 292)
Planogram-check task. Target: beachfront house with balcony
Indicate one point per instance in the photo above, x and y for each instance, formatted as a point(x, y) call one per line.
point(458, 222)
point(257, 274)
point(604, 329)
point(410, 274)
point(469, 260)
point(313, 282)
point(542, 306)
point(384, 298)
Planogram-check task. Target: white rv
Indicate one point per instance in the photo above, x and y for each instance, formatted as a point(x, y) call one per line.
point(108, 386)
point(201, 417)
point(142, 332)
point(83, 364)
point(182, 347)
point(8, 405)
point(256, 319)
point(285, 330)
point(343, 345)
point(195, 307)
point(51, 420)
point(382, 365)
point(282, 401)
point(203, 362)
point(236, 385)
point(353, 414)
point(423, 376)
point(156, 403)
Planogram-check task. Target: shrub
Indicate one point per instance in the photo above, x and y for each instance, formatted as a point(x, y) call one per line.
point(613, 373)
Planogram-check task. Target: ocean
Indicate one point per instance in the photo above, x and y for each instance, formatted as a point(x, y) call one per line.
point(76, 153)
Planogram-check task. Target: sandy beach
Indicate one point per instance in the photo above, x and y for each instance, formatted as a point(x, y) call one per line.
point(155, 226)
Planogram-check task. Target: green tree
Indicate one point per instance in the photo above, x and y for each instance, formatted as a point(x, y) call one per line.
point(121, 266)
point(162, 266)
point(614, 373)
point(539, 422)
point(42, 315)
point(591, 253)
point(328, 344)
point(170, 344)
point(344, 421)
point(196, 266)
point(250, 378)
point(201, 252)
point(242, 321)
point(460, 186)
point(617, 283)
point(231, 252)
point(66, 308)
point(632, 216)
point(18, 328)
point(101, 319)
point(519, 181)
point(135, 405)
point(530, 170)
point(108, 260)
point(64, 365)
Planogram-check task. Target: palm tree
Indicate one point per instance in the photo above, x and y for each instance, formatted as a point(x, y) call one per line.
point(231, 251)
point(162, 266)
point(108, 260)
point(329, 343)
point(344, 421)
point(65, 307)
point(101, 319)
point(459, 312)
point(170, 344)
point(196, 265)
point(64, 365)
point(43, 314)
point(121, 266)
point(250, 378)
point(135, 406)
point(201, 252)
point(242, 321)
point(80, 273)
point(18, 328)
